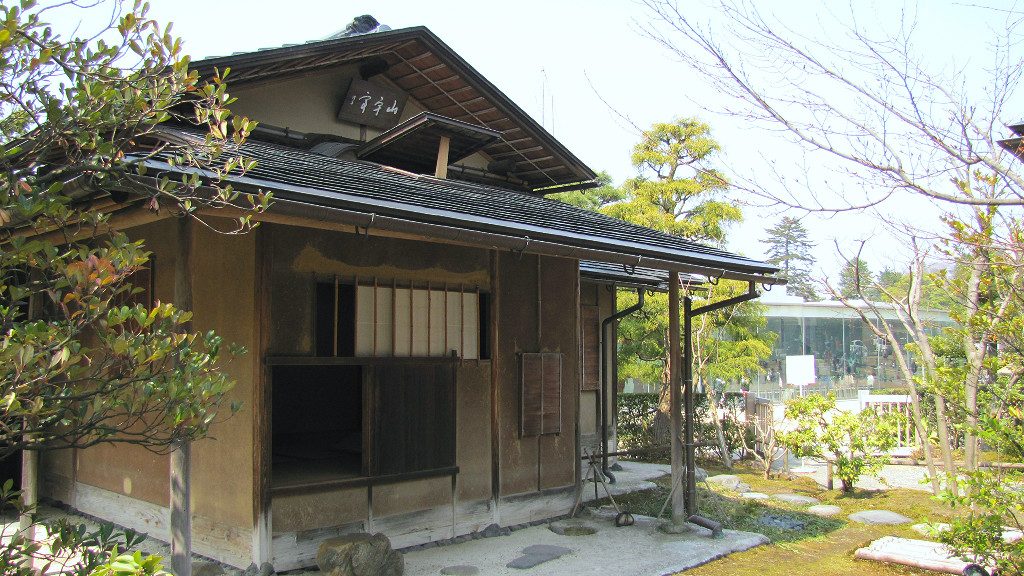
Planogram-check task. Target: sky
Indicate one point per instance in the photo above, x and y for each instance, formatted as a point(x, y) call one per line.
point(588, 72)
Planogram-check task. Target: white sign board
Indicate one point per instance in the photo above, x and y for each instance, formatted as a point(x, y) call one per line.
point(800, 370)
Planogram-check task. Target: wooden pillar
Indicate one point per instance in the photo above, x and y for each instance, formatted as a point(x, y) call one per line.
point(688, 408)
point(29, 494)
point(181, 450)
point(441, 168)
point(29, 477)
point(261, 402)
point(678, 503)
point(495, 333)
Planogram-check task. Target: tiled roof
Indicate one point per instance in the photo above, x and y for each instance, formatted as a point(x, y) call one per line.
point(440, 80)
point(305, 177)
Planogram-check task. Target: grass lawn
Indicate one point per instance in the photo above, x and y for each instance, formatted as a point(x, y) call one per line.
point(824, 547)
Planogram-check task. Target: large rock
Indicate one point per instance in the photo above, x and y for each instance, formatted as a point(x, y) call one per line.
point(359, 554)
point(265, 569)
point(207, 569)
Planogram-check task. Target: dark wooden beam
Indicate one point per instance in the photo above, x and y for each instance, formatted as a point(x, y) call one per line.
point(261, 400)
point(181, 450)
point(678, 505)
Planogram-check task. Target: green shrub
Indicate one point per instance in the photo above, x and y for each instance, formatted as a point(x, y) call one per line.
point(856, 443)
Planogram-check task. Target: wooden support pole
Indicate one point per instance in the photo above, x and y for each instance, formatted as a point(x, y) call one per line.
point(262, 537)
point(688, 408)
point(181, 450)
point(29, 473)
point(678, 505)
point(29, 493)
point(441, 169)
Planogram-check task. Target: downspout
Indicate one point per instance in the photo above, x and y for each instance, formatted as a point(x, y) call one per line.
point(607, 380)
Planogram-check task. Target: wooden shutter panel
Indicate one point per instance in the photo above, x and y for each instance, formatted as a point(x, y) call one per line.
point(590, 326)
point(413, 417)
point(532, 375)
point(551, 405)
point(541, 393)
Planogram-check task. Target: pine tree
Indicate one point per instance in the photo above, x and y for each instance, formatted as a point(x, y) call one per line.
point(790, 250)
point(856, 281)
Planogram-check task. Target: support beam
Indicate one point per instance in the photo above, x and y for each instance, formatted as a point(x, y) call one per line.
point(441, 169)
point(688, 408)
point(29, 496)
point(262, 540)
point(691, 476)
point(181, 450)
point(679, 514)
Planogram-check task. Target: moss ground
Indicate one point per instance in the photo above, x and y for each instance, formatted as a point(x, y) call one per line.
point(823, 547)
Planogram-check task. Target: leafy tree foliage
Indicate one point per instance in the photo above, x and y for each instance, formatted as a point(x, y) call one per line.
point(789, 248)
point(677, 188)
point(80, 363)
point(593, 199)
point(888, 118)
point(83, 359)
point(856, 281)
point(678, 191)
point(854, 442)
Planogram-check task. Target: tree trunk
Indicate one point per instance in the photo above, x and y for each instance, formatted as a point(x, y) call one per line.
point(974, 350)
point(923, 439)
point(723, 447)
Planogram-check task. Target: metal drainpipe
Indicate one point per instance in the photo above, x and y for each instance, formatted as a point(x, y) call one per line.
point(607, 380)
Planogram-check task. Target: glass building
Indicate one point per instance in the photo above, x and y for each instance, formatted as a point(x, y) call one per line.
point(847, 354)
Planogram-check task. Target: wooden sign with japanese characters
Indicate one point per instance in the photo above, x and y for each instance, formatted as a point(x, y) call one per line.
point(372, 105)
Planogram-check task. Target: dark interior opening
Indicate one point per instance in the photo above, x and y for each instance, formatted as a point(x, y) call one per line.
point(485, 326)
point(317, 423)
point(10, 469)
point(335, 319)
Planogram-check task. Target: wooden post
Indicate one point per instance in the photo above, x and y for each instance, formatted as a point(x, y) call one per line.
point(262, 400)
point(29, 476)
point(441, 169)
point(495, 333)
point(181, 450)
point(30, 499)
point(688, 409)
point(678, 496)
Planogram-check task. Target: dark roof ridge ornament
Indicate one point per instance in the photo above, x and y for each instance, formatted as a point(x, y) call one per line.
point(360, 25)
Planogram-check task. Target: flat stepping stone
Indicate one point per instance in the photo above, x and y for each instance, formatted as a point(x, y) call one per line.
point(781, 521)
point(824, 510)
point(796, 499)
point(460, 570)
point(727, 481)
point(538, 554)
point(879, 517)
point(571, 528)
point(754, 495)
point(917, 553)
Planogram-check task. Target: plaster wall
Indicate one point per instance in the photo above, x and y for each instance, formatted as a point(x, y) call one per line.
point(304, 256)
point(537, 303)
point(276, 103)
point(129, 484)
